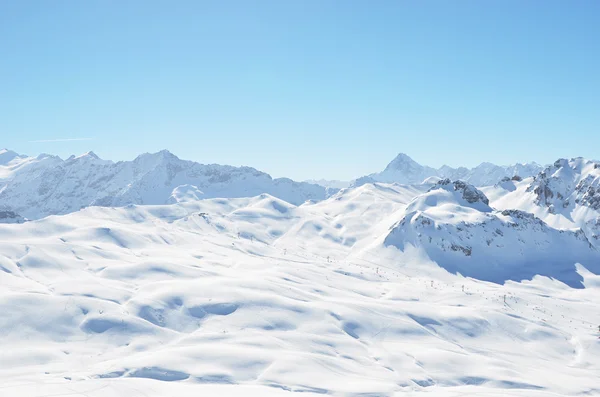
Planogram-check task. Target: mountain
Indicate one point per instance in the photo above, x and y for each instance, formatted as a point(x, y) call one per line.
point(8, 156)
point(405, 170)
point(454, 225)
point(47, 185)
point(565, 194)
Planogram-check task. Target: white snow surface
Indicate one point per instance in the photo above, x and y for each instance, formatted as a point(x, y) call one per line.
point(360, 294)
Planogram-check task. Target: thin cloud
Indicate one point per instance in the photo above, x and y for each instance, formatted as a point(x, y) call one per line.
point(61, 140)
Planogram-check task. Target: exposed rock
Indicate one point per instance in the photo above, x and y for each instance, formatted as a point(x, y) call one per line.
point(469, 192)
point(7, 216)
point(565, 182)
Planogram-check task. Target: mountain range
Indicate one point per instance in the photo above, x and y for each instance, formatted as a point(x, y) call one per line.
point(35, 187)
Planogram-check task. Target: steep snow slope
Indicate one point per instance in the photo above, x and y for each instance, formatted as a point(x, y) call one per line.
point(48, 185)
point(257, 296)
point(405, 170)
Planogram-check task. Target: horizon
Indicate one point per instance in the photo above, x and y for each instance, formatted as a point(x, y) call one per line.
point(315, 179)
point(306, 90)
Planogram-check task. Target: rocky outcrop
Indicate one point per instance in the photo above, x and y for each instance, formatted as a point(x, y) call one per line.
point(566, 183)
point(469, 192)
point(7, 216)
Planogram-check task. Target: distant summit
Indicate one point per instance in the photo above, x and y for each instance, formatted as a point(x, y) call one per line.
point(7, 156)
point(403, 169)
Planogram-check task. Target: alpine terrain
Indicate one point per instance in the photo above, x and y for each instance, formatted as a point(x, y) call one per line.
point(161, 276)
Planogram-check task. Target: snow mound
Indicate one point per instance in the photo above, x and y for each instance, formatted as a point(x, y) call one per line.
point(185, 193)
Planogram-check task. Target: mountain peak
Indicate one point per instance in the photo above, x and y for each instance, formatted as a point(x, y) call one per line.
point(90, 154)
point(6, 156)
point(167, 154)
point(400, 162)
point(404, 170)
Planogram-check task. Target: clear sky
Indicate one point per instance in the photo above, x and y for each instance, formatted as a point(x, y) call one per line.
point(305, 89)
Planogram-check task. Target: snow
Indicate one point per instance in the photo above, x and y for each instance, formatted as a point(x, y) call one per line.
point(359, 294)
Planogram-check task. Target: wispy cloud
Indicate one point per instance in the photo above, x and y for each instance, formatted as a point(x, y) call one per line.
point(61, 140)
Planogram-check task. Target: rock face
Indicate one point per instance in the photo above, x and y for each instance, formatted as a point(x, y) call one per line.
point(37, 187)
point(7, 216)
point(469, 192)
point(405, 170)
point(454, 226)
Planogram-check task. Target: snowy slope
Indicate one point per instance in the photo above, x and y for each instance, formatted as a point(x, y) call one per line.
point(257, 296)
point(37, 187)
point(405, 170)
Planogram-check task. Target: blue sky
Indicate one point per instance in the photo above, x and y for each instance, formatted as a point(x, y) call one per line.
point(304, 89)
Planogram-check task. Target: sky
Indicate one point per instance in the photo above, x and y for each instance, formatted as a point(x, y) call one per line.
point(303, 89)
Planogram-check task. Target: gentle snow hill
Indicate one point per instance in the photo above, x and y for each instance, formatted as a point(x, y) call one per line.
point(38, 187)
point(405, 170)
point(185, 193)
point(257, 296)
point(455, 227)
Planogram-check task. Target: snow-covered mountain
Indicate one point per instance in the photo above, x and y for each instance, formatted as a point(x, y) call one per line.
point(47, 185)
point(454, 225)
point(405, 170)
point(565, 194)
